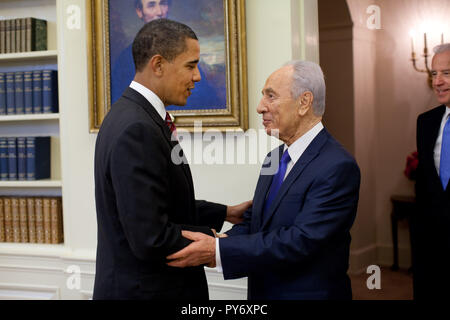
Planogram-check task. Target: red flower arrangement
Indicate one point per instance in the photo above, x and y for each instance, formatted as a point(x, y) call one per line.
point(411, 166)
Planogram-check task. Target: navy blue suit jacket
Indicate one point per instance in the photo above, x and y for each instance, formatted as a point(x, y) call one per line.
point(301, 249)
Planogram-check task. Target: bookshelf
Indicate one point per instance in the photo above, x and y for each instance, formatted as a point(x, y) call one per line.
point(33, 124)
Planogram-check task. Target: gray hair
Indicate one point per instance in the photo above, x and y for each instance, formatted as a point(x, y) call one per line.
point(442, 48)
point(308, 76)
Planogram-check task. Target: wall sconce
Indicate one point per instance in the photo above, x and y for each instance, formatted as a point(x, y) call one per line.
point(425, 55)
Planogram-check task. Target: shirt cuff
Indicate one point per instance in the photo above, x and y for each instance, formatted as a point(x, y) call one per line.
point(218, 261)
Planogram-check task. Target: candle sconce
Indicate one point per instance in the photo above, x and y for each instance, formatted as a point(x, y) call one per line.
point(425, 55)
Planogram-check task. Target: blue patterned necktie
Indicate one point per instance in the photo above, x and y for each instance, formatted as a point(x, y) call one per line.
point(444, 167)
point(277, 180)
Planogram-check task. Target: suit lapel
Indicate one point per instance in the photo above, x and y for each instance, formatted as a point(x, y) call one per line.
point(148, 107)
point(433, 129)
point(310, 153)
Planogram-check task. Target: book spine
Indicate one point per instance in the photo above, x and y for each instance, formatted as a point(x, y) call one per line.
point(2, 37)
point(31, 158)
point(41, 35)
point(8, 36)
point(8, 220)
point(57, 223)
point(15, 219)
point(12, 158)
point(37, 91)
point(19, 92)
point(23, 34)
point(39, 220)
point(2, 222)
point(21, 159)
point(47, 220)
point(2, 93)
point(42, 158)
point(28, 91)
point(31, 220)
point(13, 36)
point(50, 91)
point(28, 35)
point(4, 171)
point(18, 35)
point(23, 220)
point(10, 94)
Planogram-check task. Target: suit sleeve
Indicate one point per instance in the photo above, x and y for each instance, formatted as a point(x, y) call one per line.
point(329, 210)
point(138, 163)
point(211, 214)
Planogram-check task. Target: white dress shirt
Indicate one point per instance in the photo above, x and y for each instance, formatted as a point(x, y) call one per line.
point(295, 151)
point(438, 145)
point(154, 100)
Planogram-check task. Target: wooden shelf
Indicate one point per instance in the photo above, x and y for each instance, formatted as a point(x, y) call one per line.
point(30, 117)
point(24, 56)
point(31, 184)
point(33, 249)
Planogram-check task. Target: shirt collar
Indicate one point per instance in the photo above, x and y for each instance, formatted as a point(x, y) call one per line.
point(148, 94)
point(299, 146)
point(447, 113)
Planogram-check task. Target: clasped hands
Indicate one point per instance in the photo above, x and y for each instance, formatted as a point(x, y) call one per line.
point(202, 251)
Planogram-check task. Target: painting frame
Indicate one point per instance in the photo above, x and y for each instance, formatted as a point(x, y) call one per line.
point(233, 117)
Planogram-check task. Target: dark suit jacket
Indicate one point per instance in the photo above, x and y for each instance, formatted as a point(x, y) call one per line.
point(301, 249)
point(143, 202)
point(431, 223)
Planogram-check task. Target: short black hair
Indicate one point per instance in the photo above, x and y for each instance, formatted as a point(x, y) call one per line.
point(138, 3)
point(162, 36)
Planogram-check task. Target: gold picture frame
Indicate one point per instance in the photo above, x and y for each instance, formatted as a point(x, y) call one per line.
point(232, 117)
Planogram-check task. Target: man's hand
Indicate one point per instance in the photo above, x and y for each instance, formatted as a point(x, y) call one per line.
point(235, 214)
point(201, 251)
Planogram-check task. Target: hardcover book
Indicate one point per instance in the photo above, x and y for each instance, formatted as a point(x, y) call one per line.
point(15, 219)
point(23, 220)
point(10, 94)
point(31, 220)
point(28, 91)
point(57, 222)
point(37, 91)
point(36, 34)
point(8, 220)
point(38, 158)
point(19, 92)
point(21, 159)
point(47, 220)
point(12, 158)
point(18, 31)
point(7, 36)
point(2, 222)
point(2, 37)
point(2, 93)
point(39, 220)
point(13, 35)
point(50, 91)
point(4, 170)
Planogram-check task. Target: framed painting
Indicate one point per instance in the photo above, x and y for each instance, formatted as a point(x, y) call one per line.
point(219, 101)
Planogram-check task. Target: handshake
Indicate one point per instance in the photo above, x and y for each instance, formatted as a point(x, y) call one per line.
point(202, 251)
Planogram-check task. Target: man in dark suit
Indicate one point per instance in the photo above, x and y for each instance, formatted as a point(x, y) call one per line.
point(431, 223)
point(294, 241)
point(144, 196)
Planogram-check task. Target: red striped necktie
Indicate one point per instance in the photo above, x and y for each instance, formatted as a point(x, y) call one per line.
point(171, 125)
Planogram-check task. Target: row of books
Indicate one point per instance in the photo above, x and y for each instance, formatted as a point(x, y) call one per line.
point(24, 158)
point(28, 92)
point(31, 220)
point(23, 35)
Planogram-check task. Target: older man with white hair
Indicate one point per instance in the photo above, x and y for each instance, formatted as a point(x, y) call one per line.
point(431, 224)
point(294, 242)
